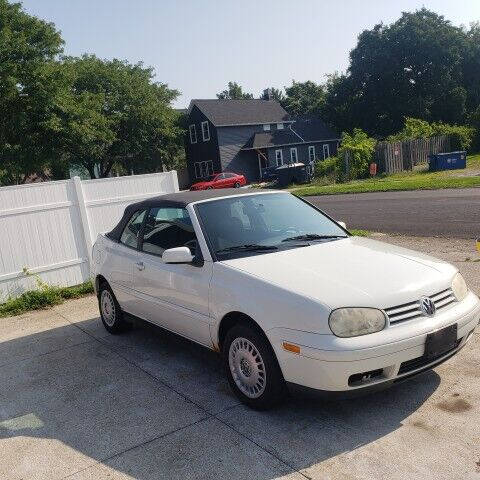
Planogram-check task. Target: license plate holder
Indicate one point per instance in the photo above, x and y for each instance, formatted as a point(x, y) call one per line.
point(441, 341)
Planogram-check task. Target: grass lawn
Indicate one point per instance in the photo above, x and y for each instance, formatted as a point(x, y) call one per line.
point(418, 179)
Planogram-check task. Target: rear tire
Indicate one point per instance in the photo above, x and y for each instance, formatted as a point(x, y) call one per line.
point(110, 311)
point(252, 369)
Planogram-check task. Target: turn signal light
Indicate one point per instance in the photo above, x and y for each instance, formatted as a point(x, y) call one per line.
point(290, 347)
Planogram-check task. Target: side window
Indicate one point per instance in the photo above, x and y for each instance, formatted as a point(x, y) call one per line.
point(132, 229)
point(168, 228)
point(193, 133)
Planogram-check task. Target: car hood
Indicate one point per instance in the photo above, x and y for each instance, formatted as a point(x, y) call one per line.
point(353, 271)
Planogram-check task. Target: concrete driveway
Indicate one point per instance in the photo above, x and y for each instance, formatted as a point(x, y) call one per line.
point(76, 402)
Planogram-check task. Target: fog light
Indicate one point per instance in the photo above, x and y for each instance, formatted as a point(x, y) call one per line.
point(364, 377)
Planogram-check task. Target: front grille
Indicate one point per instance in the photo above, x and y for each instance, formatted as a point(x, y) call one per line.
point(409, 311)
point(422, 361)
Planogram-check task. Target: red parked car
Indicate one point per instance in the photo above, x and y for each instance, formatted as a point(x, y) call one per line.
point(221, 180)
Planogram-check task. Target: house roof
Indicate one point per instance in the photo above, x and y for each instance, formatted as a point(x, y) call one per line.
point(241, 112)
point(303, 130)
point(272, 138)
point(312, 128)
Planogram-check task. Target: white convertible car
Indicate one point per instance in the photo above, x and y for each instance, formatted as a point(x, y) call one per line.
point(285, 293)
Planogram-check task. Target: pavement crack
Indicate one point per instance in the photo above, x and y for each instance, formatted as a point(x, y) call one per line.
point(17, 361)
point(139, 445)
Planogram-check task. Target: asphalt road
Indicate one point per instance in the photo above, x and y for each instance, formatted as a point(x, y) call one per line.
point(443, 213)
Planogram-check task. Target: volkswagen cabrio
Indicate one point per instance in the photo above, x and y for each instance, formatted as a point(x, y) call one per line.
point(289, 298)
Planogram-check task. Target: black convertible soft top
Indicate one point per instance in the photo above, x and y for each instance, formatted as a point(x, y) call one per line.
point(176, 200)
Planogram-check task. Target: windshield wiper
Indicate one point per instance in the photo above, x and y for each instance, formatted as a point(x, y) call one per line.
point(312, 236)
point(249, 247)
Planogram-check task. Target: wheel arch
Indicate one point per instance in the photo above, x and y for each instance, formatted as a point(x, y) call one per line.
point(99, 279)
point(233, 318)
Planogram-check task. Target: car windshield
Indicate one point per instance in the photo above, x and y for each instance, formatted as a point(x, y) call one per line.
point(211, 177)
point(258, 224)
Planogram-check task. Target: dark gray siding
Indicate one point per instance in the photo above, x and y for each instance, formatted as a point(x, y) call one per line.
point(230, 142)
point(201, 151)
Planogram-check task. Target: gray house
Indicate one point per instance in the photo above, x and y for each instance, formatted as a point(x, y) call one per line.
point(247, 136)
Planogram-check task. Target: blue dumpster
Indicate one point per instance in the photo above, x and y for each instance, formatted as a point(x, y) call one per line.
point(447, 161)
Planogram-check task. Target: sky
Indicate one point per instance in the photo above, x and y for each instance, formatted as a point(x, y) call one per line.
point(197, 47)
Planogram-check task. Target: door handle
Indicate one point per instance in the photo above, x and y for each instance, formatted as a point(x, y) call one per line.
point(140, 265)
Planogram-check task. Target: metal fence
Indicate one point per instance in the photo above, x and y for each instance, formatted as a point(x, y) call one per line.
point(394, 157)
point(49, 228)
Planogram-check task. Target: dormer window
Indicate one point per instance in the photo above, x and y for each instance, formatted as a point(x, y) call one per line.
point(193, 133)
point(279, 126)
point(266, 127)
point(205, 131)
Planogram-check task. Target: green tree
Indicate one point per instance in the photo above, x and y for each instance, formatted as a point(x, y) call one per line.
point(30, 82)
point(115, 114)
point(234, 92)
point(303, 98)
point(411, 68)
point(273, 94)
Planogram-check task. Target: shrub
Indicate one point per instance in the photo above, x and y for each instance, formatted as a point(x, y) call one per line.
point(461, 135)
point(357, 149)
point(414, 128)
point(331, 166)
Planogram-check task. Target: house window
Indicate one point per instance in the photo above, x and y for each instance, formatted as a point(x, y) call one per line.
point(279, 126)
point(193, 134)
point(205, 131)
point(198, 170)
point(203, 169)
point(279, 157)
point(326, 150)
point(293, 155)
point(311, 153)
point(266, 127)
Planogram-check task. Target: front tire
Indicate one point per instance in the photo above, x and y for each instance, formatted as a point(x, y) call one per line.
point(237, 185)
point(252, 369)
point(110, 311)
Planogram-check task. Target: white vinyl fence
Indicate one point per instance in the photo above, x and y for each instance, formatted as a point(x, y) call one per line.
point(49, 228)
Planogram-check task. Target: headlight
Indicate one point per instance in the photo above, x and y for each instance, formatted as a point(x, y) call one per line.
point(459, 287)
point(353, 322)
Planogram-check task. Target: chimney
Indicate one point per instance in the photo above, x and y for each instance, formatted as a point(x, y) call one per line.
point(267, 94)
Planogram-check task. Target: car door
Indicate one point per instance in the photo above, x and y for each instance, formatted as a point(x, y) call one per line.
point(122, 258)
point(229, 180)
point(174, 296)
point(219, 181)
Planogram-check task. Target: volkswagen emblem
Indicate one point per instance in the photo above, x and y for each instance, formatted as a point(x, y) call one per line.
point(427, 306)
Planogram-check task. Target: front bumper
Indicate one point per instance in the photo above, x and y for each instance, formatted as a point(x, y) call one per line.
point(356, 370)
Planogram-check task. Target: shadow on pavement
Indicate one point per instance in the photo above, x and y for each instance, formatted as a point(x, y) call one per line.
point(153, 405)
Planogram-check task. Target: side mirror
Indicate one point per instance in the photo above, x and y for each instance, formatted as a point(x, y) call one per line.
point(343, 225)
point(177, 255)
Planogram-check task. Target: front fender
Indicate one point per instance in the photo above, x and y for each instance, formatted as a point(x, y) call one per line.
point(271, 306)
